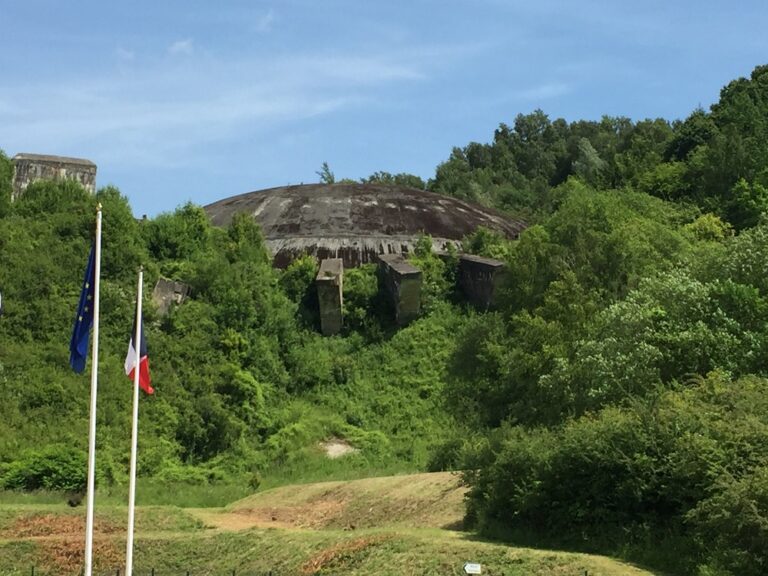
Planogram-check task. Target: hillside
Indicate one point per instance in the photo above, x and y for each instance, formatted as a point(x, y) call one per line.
point(415, 501)
point(614, 401)
point(378, 526)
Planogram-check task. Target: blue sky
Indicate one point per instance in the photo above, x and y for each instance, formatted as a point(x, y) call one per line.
point(187, 100)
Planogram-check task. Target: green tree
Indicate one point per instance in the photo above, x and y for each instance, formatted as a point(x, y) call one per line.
point(695, 131)
point(588, 165)
point(180, 235)
point(6, 184)
point(246, 242)
point(52, 468)
point(401, 179)
point(747, 204)
point(122, 243)
point(677, 479)
point(325, 174)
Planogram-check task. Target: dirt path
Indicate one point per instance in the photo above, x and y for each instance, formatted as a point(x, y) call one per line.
point(220, 519)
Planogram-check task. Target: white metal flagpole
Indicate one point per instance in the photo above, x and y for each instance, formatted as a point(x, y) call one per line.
point(94, 385)
point(134, 431)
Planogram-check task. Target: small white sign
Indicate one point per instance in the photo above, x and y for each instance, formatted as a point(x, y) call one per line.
point(471, 568)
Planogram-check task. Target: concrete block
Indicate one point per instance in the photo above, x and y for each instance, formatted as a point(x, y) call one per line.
point(167, 292)
point(402, 281)
point(330, 285)
point(480, 280)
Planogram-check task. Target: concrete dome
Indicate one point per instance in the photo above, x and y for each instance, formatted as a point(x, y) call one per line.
point(357, 222)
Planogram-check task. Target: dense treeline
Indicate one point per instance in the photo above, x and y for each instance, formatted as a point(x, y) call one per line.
point(715, 160)
point(614, 401)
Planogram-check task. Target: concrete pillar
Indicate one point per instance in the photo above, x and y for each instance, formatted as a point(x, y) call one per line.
point(480, 279)
point(330, 282)
point(167, 292)
point(402, 281)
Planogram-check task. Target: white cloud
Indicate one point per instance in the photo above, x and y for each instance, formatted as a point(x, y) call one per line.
point(165, 113)
point(124, 54)
point(184, 47)
point(264, 22)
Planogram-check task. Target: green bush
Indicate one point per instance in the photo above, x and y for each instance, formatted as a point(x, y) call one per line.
point(437, 276)
point(6, 177)
point(693, 460)
point(363, 306)
point(52, 468)
point(732, 524)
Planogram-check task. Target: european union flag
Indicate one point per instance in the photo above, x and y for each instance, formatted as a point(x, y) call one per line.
point(78, 345)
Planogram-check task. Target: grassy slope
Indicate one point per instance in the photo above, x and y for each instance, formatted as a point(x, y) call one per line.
point(378, 526)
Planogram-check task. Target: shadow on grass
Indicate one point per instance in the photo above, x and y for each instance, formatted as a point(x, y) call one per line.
point(668, 555)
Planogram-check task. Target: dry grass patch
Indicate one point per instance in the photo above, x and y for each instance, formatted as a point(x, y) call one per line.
point(415, 500)
point(338, 555)
point(62, 556)
point(48, 525)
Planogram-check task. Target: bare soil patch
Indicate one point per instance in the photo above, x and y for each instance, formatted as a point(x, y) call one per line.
point(337, 447)
point(48, 525)
point(417, 500)
point(339, 554)
point(60, 540)
point(66, 555)
point(316, 515)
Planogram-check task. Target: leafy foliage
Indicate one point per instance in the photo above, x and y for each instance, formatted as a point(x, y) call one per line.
point(614, 400)
point(401, 179)
point(233, 366)
point(678, 460)
point(53, 468)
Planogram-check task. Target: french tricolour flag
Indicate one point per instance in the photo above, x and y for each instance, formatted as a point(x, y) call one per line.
point(143, 359)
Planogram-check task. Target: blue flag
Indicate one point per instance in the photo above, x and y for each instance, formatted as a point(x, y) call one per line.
point(78, 345)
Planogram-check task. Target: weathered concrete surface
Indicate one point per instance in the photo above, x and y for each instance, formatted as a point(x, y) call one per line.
point(330, 286)
point(354, 251)
point(28, 168)
point(167, 292)
point(480, 279)
point(358, 222)
point(402, 281)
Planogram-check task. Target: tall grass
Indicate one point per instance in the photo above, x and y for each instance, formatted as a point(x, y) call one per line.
point(316, 468)
point(156, 492)
point(13, 497)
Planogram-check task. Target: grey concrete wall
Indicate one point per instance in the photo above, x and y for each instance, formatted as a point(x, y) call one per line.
point(402, 282)
point(353, 250)
point(330, 286)
point(480, 280)
point(27, 168)
point(167, 292)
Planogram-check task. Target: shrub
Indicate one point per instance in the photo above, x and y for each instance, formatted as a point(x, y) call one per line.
point(630, 476)
point(733, 524)
point(52, 468)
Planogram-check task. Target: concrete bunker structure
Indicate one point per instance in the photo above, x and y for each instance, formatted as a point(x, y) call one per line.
point(480, 280)
point(167, 292)
point(346, 225)
point(402, 282)
point(358, 222)
point(29, 168)
point(330, 295)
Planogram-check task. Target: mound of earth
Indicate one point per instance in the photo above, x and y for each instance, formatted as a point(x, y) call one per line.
point(433, 500)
